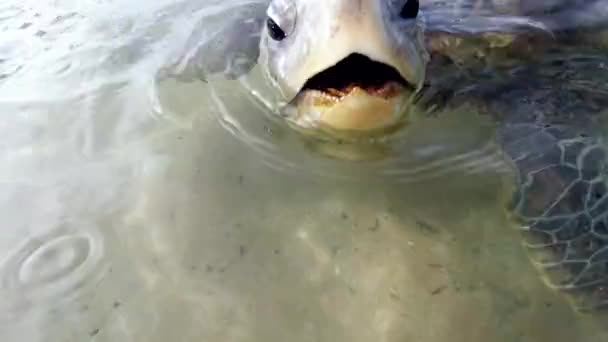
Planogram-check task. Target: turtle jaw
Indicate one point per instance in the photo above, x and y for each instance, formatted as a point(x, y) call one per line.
point(357, 94)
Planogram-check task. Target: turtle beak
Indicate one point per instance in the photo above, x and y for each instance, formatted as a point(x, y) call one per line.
point(360, 68)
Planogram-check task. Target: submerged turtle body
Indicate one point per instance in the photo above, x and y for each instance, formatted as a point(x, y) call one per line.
point(551, 124)
point(549, 107)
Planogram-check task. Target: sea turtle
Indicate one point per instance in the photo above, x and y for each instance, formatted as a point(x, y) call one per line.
point(351, 65)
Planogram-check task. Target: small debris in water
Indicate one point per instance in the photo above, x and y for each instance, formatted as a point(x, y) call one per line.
point(209, 268)
point(94, 332)
point(276, 252)
point(242, 250)
point(116, 304)
point(426, 227)
point(268, 130)
point(241, 179)
point(335, 250)
point(60, 18)
point(394, 295)
point(435, 265)
point(376, 226)
point(344, 216)
point(438, 290)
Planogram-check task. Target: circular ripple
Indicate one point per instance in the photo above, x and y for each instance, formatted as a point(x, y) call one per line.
point(52, 266)
point(54, 261)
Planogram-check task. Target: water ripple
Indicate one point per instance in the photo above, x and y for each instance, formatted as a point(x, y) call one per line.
point(53, 267)
point(486, 158)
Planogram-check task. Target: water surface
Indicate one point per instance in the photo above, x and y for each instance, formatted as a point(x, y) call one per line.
point(140, 209)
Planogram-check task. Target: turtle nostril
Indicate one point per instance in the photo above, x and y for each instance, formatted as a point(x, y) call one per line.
point(410, 9)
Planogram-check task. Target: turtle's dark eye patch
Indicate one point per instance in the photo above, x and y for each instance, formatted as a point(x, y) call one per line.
point(410, 9)
point(274, 30)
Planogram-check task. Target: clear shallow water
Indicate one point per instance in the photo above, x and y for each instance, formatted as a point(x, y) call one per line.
point(139, 210)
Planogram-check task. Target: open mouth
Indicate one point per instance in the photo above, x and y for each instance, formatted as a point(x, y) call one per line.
point(357, 94)
point(357, 72)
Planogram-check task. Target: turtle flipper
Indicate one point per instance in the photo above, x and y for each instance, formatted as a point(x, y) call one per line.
point(226, 42)
point(551, 125)
point(562, 206)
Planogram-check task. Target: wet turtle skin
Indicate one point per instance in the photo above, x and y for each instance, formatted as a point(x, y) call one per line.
point(533, 8)
point(550, 121)
point(549, 98)
point(553, 136)
point(567, 22)
point(550, 116)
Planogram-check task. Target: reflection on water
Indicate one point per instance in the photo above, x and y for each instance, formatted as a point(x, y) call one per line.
point(141, 211)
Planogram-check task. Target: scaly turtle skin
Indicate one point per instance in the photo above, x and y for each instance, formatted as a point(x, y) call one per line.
point(549, 105)
point(551, 125)
point(551, 116)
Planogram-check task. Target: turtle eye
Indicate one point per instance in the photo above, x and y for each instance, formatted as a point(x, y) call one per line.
point(275, 31)
point(410, 9)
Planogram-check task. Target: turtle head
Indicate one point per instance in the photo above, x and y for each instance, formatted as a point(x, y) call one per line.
point(344, 64)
